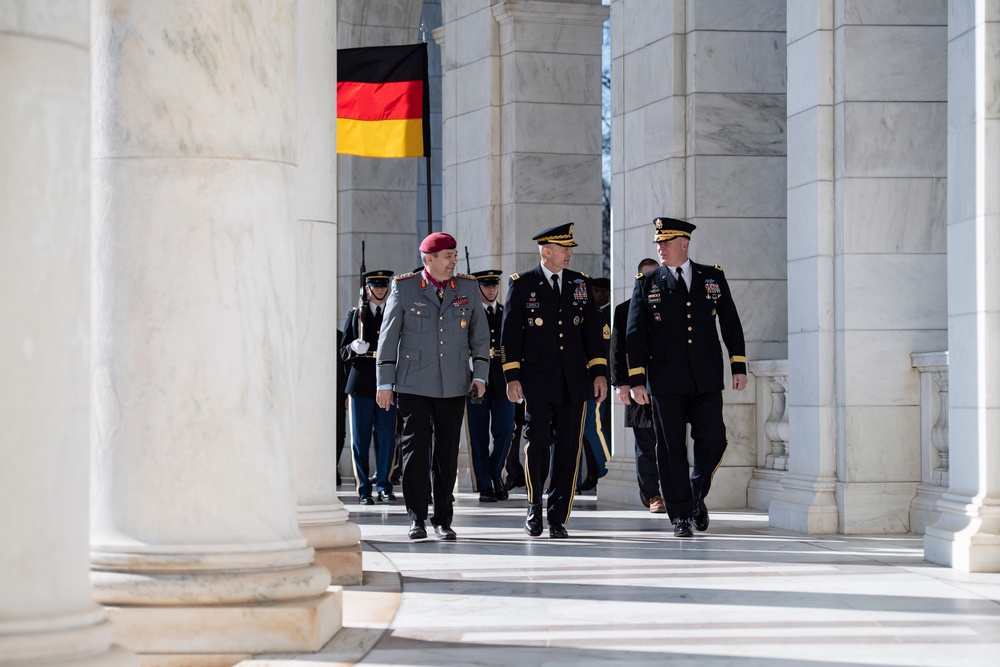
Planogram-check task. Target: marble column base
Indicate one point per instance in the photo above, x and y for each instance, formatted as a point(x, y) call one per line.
point(924, 508)
point(806, 505)
point(77, 640)
point(619, 485)
point(875, 508)
point(343, 563)
point(765, 487)
point(336, 541)
point(966, 537)
point(227, 634)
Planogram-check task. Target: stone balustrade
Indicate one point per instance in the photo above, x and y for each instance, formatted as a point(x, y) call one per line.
point(933, 368)
point(772, 431)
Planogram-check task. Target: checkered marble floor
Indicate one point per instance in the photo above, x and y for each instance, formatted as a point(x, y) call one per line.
point(623, 590)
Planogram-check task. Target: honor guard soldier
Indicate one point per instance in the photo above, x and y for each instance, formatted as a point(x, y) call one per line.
point(673, 349)
point(494, 414)
point(553, 358)
point(357, 349)
point(433, 326)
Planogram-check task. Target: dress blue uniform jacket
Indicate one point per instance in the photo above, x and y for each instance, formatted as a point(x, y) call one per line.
point(672, 343)
point(361, 377)
point(425, 345)
point(545, 340)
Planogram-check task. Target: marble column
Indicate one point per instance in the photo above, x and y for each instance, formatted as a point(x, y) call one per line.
point(967, 535)
point(195, 547)
point(322, 517)
point(47, 612)
point(807, 502)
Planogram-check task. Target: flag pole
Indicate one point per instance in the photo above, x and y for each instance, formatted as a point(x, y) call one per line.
point(430, 220)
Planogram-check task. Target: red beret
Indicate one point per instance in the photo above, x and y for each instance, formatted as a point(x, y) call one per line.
point(437, 242)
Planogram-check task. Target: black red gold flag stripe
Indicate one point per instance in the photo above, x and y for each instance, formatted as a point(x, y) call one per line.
point(383, 104)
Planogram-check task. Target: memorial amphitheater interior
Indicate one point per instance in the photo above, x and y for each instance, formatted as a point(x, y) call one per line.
point(179, 240)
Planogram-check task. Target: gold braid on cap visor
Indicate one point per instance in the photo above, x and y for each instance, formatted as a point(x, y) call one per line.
point(668, 234)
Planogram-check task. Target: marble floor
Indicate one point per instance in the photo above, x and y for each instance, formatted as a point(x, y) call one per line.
point(623, 590)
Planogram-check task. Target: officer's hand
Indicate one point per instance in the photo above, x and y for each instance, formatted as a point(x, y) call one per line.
point(623, 394)
point(600, 388)
point(480, 388)
point(739, 382)
point(639, 395)
point(359, 346)
point(514, 394)
point(383, 397)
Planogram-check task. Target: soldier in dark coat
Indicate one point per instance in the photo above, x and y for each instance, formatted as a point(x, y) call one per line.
point(674, 350)
point(357, 350)
point(637, 417)
point(553, 358)
point(494, 413)
point(434, 325)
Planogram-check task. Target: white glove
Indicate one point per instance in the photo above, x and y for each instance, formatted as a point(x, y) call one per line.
point(359, 346)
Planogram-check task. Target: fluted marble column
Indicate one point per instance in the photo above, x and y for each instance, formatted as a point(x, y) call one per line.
point(47, 612)
point(322, 517)
point(967, 535)
point(195, 544)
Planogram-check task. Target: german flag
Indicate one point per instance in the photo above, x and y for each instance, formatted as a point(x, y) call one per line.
point(383, 105)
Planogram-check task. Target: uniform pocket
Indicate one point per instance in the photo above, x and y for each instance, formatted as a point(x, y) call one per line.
point(408, 362)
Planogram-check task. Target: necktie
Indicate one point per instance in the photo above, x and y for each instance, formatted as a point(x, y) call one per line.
point(489, 309)
point(378, 313)
point(681, 285)
point(555, 283)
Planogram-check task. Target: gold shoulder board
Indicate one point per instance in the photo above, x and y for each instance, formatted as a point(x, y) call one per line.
point(515, 276)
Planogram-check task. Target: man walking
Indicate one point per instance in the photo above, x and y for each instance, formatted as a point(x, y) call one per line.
point(433, 325)
point(357, 349)
point(553, 358)
point(637, 417)
point(494, 413)
point(673, 348)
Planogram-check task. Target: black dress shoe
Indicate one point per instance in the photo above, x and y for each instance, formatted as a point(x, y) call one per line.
point(386, 496)
point(417, 530)
point(513, 482)
point(487, 495)
point(700, 517)
point(445, 532)
point(498, 490)
point(682, 528)
point(366, 500)
point(557, 530)
point(533, 523)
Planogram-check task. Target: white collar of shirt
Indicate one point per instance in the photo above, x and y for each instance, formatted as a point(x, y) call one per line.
point(373, 307)
point(487, 306)
point(549, 274)
point(685, 270)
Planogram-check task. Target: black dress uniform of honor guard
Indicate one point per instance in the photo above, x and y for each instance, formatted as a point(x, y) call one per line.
point(494, 414)
point(433, 325)
point(553, 358)
point(359, 352)
point(673, 349)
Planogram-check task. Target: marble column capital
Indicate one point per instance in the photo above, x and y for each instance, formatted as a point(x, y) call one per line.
point(558, 13)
